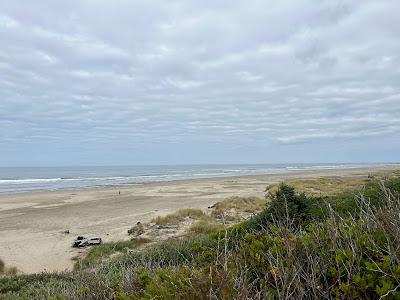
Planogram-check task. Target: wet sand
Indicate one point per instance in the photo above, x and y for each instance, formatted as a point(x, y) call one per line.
point(32, 224)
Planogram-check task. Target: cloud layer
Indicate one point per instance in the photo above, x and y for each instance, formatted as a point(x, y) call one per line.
point(146, 73)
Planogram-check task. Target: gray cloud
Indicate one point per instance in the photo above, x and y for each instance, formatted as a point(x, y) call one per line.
point(146, 72)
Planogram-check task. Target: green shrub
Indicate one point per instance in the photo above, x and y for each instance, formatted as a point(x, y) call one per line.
point(326, 248)
point(287, 204)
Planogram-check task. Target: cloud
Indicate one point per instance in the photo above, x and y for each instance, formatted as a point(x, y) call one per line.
point(146, 71)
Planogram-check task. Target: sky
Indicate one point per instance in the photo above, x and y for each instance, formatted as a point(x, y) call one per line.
point(122, 82)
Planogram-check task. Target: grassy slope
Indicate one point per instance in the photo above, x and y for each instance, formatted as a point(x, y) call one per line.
point(312, 247)
point(335, 185)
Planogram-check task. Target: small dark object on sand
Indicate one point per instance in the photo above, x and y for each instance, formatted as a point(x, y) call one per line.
point(82, 242)
point(94, 241)
point(79, 242)
point(66, 232)
point(214, 205)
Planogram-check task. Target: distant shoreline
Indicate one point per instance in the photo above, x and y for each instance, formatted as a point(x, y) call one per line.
point(283, 170)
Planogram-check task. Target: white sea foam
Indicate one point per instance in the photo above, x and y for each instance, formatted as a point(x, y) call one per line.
point(29, 180)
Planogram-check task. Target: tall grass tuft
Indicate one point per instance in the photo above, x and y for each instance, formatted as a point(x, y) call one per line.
point(179, 216)
point(2, 266)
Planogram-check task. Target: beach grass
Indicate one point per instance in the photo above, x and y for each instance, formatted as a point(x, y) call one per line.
point(325, 186)
point(136, 230)
point(333, 185)
point(238, 204)
point(179, 216)
point(2, 266)
point(102, 252)
point(205, 227)
point(7, 270)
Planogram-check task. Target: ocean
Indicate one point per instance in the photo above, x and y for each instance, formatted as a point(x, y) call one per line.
point(23, 179)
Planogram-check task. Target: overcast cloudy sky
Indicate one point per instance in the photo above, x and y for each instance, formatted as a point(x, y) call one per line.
point(99, 82)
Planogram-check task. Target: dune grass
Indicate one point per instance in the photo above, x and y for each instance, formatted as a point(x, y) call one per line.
point(333, 185)
point(179, 216)
point(7, 271)
point(102, 252)
point(136, 230)
point(2, 266)
point(325, 186)
point(238, 204)
point(205, 227)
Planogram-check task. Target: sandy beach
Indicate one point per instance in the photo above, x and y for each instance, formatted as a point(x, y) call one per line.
point(32, 224)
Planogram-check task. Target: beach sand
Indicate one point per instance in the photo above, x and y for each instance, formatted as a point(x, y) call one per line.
point(32, 224)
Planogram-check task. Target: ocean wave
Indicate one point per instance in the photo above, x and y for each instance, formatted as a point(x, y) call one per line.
point(325, 167)
point(168, 176)
point(29, 180)
point(86, 178)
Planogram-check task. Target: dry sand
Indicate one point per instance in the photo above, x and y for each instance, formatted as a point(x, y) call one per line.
point(32, 224)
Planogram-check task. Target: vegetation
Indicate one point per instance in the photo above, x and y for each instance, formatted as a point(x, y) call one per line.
point(300, 246)
point(7, 271)
point(325, 186)
point(179, 216)
point(334, 185)
point(237, 205)
point(102, 252)
point(205, 227)
point(137, 230)
point(2, 266)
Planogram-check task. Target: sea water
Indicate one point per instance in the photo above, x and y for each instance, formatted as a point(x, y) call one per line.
point(22, 179)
